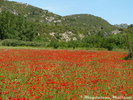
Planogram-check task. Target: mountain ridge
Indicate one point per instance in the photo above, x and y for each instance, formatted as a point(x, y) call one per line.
point(53, 26)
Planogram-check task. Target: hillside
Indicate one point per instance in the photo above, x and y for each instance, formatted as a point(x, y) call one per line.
point(25, 22)
point(85, 22)
point(91, 23)
point(31, 12)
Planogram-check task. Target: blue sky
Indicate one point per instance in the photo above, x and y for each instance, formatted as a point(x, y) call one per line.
point(114, 11)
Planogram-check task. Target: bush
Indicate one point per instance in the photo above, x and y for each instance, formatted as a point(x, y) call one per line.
point(13, 42)
point(109, 47)
point(56, 46)
point(129, 32)
point(130, 54)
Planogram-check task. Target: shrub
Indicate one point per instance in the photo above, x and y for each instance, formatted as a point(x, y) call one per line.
point(13, 42)
point(55, 46)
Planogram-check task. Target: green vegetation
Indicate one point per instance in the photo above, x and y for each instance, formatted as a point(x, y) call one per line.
point(48, 22)
point(25, 25)
point(32, 13)
point(90, 23)
point(16, 27)
point(13, 42)
point(129, 32)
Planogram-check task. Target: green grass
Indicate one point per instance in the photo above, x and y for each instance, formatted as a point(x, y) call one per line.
point(28, 47)
point(20, 47)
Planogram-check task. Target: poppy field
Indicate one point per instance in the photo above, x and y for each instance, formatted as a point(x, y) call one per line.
point(29, 74)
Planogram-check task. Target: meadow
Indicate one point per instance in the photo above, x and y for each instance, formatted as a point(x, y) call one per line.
point(38, 74)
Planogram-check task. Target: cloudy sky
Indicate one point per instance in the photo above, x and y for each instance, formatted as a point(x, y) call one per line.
point(114, 11)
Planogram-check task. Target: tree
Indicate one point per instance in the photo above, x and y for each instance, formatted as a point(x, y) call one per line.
point(129, 32)
point(16, 27)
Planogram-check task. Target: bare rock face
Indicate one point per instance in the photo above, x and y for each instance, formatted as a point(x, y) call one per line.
point(52, 34)
point(116, 31)
point(81, 36)
point(67, 36)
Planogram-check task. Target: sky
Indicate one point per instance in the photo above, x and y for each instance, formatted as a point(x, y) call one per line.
point(113, 11)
